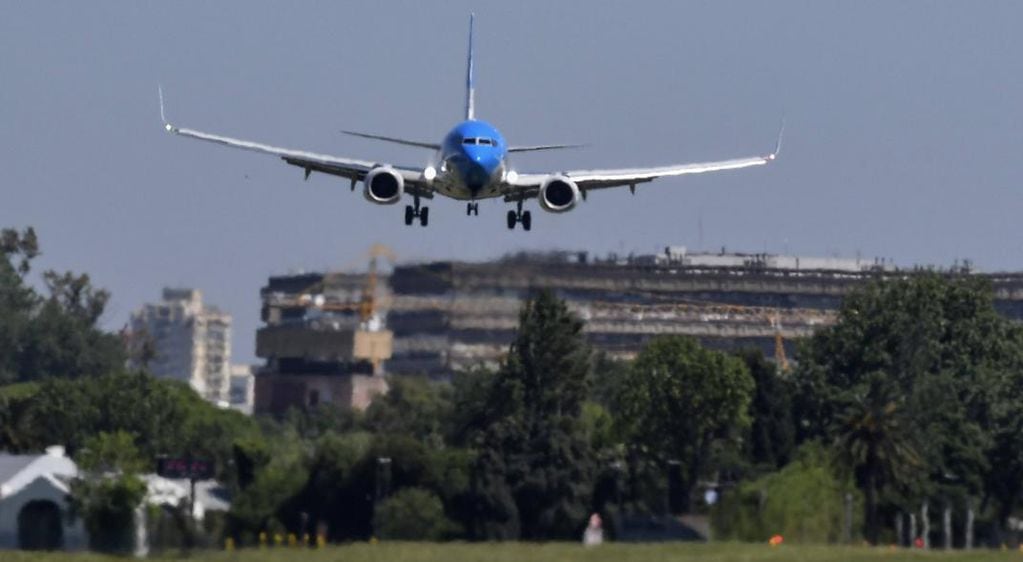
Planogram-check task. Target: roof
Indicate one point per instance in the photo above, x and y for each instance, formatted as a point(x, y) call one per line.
point(17, 471)
point(12, 465)
point(210, 495)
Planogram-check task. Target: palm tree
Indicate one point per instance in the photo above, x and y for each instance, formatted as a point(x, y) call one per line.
point(876, 438)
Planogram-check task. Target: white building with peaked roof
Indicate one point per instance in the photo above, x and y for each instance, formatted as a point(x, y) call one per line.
point(34, 510)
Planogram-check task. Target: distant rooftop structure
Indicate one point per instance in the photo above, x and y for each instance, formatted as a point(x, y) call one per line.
point(680, 255)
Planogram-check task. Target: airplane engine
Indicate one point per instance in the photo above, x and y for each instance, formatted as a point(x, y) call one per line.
point(384, 186)
point(558, 194)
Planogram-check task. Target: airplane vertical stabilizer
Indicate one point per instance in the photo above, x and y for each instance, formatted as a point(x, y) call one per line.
point(470, 91)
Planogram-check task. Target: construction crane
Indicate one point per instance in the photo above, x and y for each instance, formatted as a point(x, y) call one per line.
point(779, 345)
point(366, 306)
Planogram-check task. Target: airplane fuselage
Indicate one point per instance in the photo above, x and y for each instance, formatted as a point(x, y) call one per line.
point(472, 161)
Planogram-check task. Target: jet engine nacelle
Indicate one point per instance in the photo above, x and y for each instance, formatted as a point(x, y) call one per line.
point(558, 194)
point(384, 186)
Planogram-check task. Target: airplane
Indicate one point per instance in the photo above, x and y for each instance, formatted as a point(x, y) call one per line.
point(470, 163)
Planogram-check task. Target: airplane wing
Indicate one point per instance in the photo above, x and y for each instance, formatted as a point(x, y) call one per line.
point(537, 147)
point(350, 168)
point(396, 140)
point(528, 185)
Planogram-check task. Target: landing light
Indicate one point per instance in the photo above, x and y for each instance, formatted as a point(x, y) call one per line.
point(429, 173)
point(511, 176)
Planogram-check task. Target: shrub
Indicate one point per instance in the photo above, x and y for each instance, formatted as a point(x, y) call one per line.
point(804, 502)
point(412, 514)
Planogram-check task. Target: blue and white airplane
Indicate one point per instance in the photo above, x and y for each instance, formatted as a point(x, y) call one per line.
point(470, 164)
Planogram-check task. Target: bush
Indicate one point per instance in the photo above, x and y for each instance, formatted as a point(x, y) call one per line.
point(412, 514)
point(804, 502)
point(107, 506)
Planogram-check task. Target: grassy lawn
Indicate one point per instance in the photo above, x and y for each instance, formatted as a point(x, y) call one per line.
point(559, 552)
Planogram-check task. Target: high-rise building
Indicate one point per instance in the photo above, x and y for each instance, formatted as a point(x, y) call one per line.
point(243, 388)
point(181, 338)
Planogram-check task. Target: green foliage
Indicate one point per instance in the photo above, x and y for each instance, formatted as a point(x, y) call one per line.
point(804, 502)
point(772, 432)
point(107, 496)
point(534, 472)
point(413, 406)
point(166, 417)
point(55, 335)
point(687, 403)
point(106, 504)
point(911, 385)
point(109, 453)
point(412, 514)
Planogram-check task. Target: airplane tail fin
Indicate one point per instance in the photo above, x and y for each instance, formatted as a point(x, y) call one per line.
point(470, 91)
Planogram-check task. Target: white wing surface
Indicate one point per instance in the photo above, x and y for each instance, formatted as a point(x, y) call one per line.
point(528, 184)
point(350, 168)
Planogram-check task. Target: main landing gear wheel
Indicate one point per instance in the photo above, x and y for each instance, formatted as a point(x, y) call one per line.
point(411, 214)
point(414, 211)
point(520, 216)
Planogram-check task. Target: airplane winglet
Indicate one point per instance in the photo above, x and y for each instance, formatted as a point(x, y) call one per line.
point(777, 143)
point(163, 117)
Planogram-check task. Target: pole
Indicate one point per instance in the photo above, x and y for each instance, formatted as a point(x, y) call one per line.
point(847, 524)
point(925, 526)
point(969, 525)
point(946, 524)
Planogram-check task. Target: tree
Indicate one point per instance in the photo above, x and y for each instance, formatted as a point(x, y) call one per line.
point(772, 431)
point(685, 403)
point(107, 496)
point(532, 446)
point(914, 375)
point(876, 439)
point(413, 406)
point(55, 335)
point(17, 299)
point(804, 502)
point(412, 514)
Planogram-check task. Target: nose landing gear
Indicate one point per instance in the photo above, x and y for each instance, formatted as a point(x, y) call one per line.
point(472, 209)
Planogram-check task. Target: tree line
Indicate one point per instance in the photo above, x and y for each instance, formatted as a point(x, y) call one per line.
point(910, 398)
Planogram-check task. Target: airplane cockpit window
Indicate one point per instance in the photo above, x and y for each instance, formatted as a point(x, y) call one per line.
point(470, 140)
point(487, 142)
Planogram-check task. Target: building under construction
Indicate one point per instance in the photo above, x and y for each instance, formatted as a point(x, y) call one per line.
point(453, 315)
point(323, 340)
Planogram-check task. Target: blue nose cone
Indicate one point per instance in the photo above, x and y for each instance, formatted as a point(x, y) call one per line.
point(479, 166)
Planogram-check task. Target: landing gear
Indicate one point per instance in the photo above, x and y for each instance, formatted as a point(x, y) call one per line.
point(520, 216)
point(472, 209)
point(414, 211)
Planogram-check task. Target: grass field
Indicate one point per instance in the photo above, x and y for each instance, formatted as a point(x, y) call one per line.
point(559, 552)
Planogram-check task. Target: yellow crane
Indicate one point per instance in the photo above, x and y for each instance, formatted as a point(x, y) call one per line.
point(366, 305)
point(779, 345)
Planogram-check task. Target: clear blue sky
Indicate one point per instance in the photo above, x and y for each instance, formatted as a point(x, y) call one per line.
point(903, 140)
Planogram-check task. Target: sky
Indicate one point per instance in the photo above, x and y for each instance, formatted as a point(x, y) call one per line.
point(903, 131)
